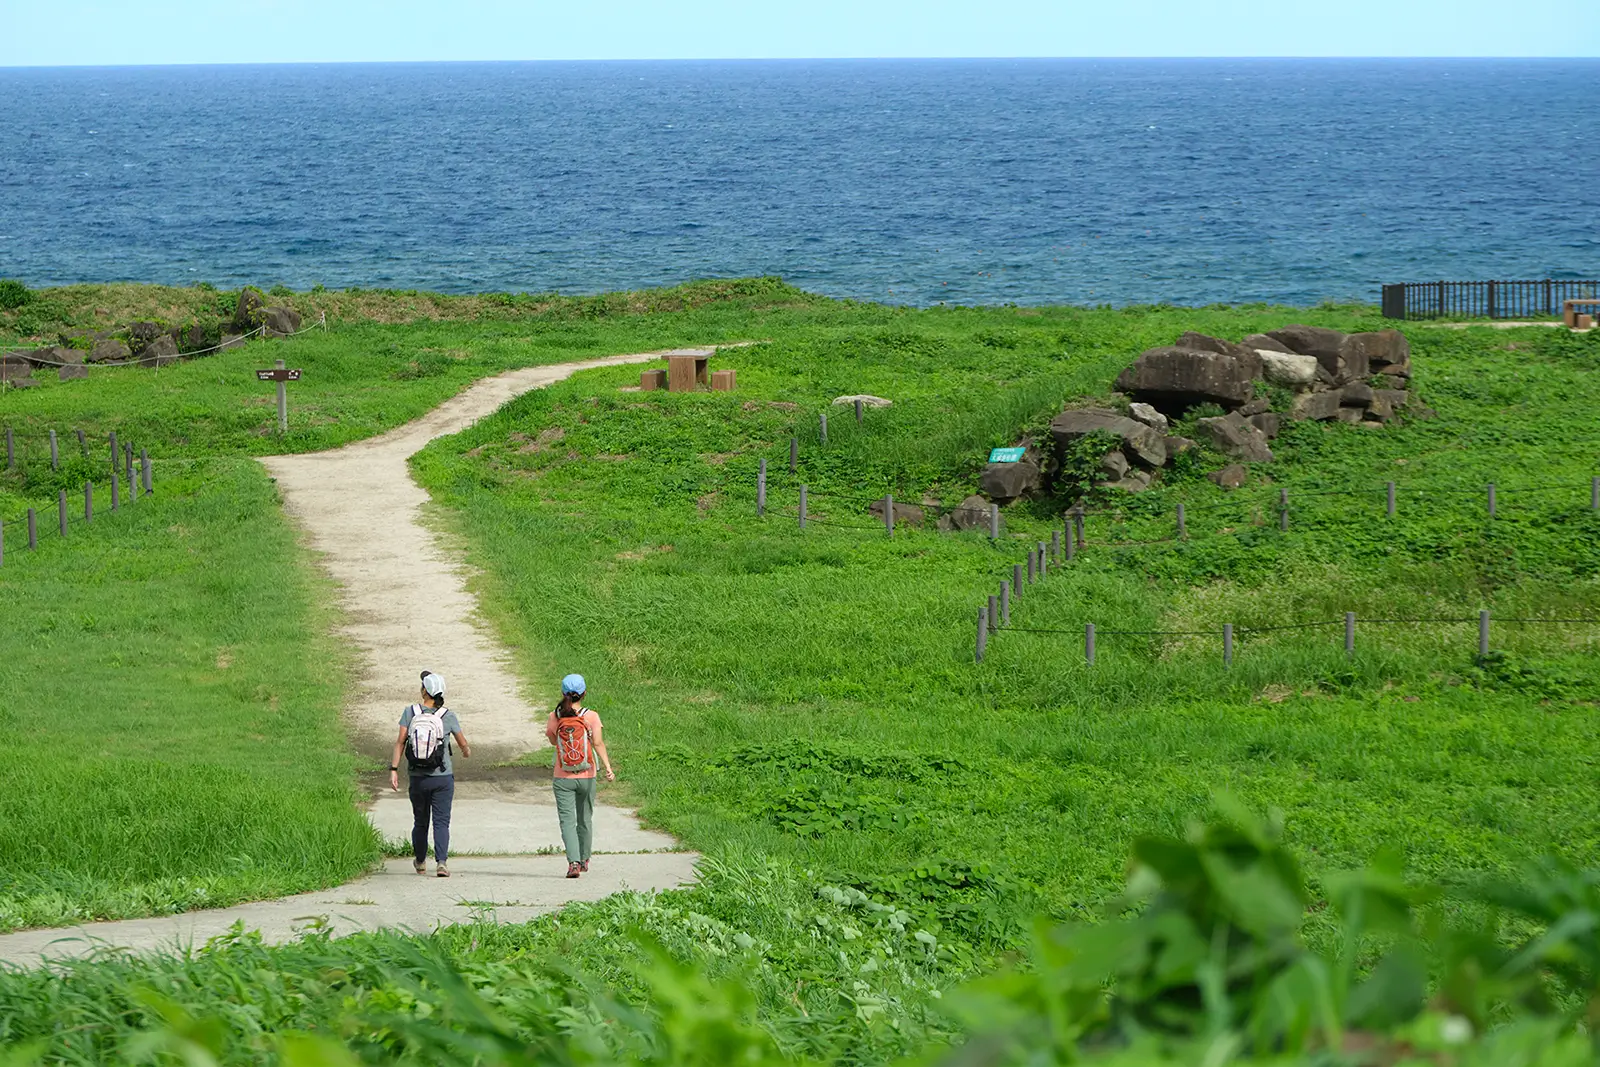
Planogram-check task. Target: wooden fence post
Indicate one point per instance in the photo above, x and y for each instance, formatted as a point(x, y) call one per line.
point(1044, 558)
point(761, 490)
point(824, 428)
point(1491, 500)
point(1391, 500)
point(802, 507)
point(1483, 632)
point(794, 454)
point(1055, 545)
point(61, 511)
point(994, 520)
point(127, 457)
point(55, 459)
point(1349, 633)
point(144, 468)
point(994, 613)
point(1088, 642)
point(1283, 509)
point(1070, 539)
point(1030, 567)
point(1016, 579)
point(83, 446)
point(888, 513)
point(858, 413)
point(115, 503)
point(1077, 521)
point(1227, 644)
point(88, 501)
point(1594, 494)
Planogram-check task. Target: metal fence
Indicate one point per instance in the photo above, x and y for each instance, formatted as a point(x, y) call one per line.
point(1478, 300)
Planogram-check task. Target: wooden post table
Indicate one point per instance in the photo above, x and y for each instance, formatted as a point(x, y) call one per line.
point(686, 369)
point(1569, 310)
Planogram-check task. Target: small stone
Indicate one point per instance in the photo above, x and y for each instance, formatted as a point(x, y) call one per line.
point(1230, 477)
point(71, 372)
point(1113, 465)
point(1270, 423)
point(1177, 446)
point(1149, 416)
point(1356, 395)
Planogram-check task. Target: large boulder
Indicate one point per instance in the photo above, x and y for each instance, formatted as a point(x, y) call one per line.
point(1288, 369)
point(160, 352)
point(1261, 342)
point(109, 351)
point(1356, 395)
point(1233, 436)
point(230, 340)
point(1344, 362)
point(1139, 442)
point(190, 338)
point(140, 334)
point(1319, 406)
point(1135, 481)
point(71, 371)
point(84, 336)
point(1113, 465)
point(1270, 423)
point(971, 514)
point(16, 368)
point(1381, 352)
point(1174, 378)
point(1201, 342)
point(247, 313)
point(280, 322)
point(55, 356)
point(1005, 482)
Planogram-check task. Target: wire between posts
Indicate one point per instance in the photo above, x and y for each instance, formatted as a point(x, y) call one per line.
point(321, 323)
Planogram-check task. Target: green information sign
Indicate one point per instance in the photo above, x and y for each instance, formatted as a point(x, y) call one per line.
point(1006, 455)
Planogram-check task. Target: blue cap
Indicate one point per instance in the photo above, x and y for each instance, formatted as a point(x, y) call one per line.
point(573, 684)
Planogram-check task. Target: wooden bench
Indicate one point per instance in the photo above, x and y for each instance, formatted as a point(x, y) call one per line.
point(686, 369)
point(1569, 311)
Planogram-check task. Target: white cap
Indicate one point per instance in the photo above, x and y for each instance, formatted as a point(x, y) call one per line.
point(433, 684)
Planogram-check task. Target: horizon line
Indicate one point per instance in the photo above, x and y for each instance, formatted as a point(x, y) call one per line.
point(804, 59)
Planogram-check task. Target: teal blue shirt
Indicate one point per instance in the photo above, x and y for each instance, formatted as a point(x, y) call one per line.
point(452, 726)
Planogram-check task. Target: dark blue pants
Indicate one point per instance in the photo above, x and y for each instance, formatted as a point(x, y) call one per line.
point(431, 795)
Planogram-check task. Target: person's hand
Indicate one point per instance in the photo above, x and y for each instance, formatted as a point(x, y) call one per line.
point(394, 781)
point(611, 775)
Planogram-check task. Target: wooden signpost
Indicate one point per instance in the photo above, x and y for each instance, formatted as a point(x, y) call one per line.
point(281, 374)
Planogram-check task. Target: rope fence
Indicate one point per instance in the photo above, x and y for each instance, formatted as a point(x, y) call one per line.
point(321, 323)
point(131, 475)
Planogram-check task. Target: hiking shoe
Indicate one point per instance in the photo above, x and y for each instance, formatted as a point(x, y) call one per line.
point(574, 869)
point(419, 866)
point(442, 871)
point(584, 866)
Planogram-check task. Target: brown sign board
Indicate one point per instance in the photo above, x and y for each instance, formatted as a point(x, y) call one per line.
point(278, 374)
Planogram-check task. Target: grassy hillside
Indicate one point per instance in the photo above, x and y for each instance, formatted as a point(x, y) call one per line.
point(883, 818)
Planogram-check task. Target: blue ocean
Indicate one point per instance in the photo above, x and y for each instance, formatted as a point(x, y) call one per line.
point(916, 182)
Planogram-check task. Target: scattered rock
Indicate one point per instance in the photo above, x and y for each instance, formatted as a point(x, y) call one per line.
point(1343, 362)
point(190, 338)
point(109, 351)
point(1349, 414)
point(1149, 416)
point(1231, 477)
point(1255, 407)
point(1139, 442)
point(15, 368)
point(159, 352)
point(1177, 446)
point(1270, 423)
point(1233, 436)
point(1395, 398)
point(53, 356)
point(1319, 406)
point(1382, 352)
point(867, 401)
point(1005, 482)
point(904, 514)
point(1380, 410)
point(85, 336)
point(971, 514)
point(1356, 395)
point(1263, 343)
point(1135, 481)
point(1180, 378)
point(1113, 465)
point(141, 334)
point(247, 314)
point(280, 322)
point(71, 372)
point(1288, 369)
point(1199, 342)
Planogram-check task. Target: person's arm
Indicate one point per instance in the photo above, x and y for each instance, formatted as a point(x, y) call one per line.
point(600, 747)
point(394, 761)
point(461, 739)
point(550, 727)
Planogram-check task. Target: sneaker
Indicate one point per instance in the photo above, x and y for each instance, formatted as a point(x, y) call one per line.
point(420, 866)
point(584, 866)
point(442, 871)
point(574, 869)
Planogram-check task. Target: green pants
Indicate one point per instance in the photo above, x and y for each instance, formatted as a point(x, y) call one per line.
point(575, 809)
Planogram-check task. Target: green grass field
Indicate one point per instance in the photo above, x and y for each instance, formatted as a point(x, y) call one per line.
point(884, 818)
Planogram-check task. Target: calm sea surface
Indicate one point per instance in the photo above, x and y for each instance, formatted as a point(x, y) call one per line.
point(1079, 181)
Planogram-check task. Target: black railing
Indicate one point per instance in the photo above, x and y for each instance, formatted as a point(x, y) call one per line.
point(1484, 300)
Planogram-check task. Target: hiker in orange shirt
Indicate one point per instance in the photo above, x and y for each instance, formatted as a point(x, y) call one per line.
point(574, 730)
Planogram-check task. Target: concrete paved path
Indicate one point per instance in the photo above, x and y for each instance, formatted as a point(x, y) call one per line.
point(403, 594)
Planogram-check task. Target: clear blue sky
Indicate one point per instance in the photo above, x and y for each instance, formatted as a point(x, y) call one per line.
point(51, 32)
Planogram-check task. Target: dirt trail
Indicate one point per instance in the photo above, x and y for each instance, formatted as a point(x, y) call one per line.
point(404, 598)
